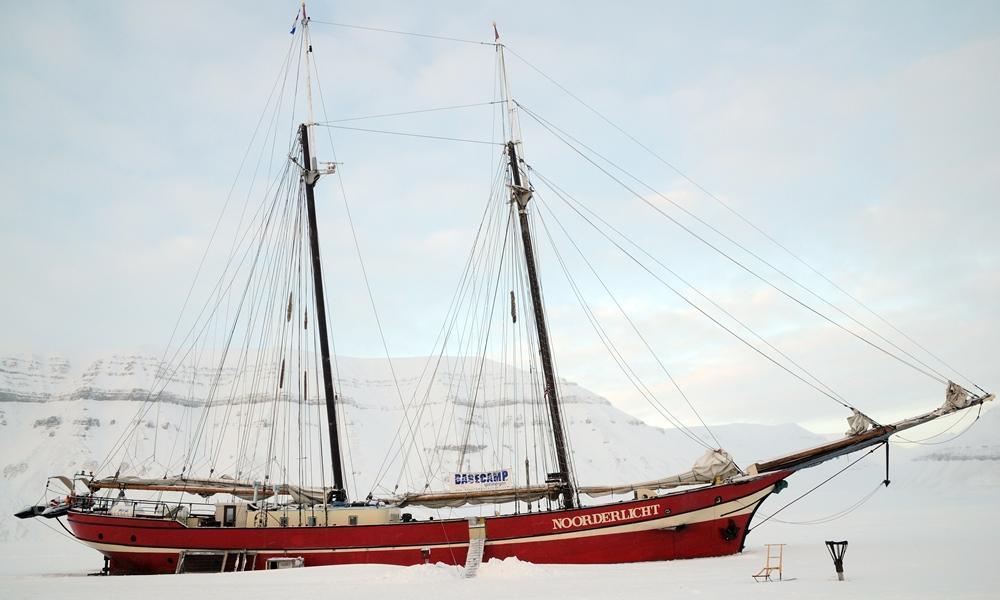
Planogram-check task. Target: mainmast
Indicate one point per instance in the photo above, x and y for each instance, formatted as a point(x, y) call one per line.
point(520, 193)
point(310, 174)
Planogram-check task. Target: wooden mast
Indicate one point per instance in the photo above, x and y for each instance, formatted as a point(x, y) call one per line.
point(521, 194)
point(309, 177)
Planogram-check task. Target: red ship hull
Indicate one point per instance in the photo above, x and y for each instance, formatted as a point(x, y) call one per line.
point(710, 521)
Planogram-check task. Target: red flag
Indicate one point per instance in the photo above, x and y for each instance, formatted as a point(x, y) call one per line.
point(496, 34)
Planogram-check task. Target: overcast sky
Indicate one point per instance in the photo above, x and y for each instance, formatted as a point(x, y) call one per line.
point(863, 136)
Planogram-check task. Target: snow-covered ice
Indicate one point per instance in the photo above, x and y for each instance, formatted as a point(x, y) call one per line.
point(909, 547)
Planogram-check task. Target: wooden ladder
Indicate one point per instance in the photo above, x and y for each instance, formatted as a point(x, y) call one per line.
point(772, 563)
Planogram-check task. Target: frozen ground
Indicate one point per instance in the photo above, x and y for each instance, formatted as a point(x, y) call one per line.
point(904, 543)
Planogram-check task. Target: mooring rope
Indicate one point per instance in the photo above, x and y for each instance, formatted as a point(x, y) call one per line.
point(819, 485)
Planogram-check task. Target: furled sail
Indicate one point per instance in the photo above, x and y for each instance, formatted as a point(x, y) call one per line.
point(209, 487)
point(956, 397)
point(857, 423)
point(455, 499)
point(712, 466)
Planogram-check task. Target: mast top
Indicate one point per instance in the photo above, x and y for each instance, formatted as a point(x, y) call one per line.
point(307, 42)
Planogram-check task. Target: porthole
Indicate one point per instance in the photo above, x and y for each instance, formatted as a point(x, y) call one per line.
point(100, 536)
point(718, 499)
point(132, 538)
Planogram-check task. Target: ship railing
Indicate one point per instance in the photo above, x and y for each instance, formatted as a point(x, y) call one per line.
point(147, 509)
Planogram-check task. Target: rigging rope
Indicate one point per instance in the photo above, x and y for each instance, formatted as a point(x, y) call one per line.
point(616, 355)
point(409, 134)
point(577, 206)
point(937, 377)
point(444, 334)
point(924, 442)
point(840, 514)
point(398, 32)
point(632, 324)
point(411, 112)
point(819, 485)
point(364, 271)
point(485, 341)
point(699, 309)
point(152, 395)
point(729, 208)
point(543, 398)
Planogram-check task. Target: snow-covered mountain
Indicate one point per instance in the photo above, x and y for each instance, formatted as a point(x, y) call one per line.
point(60, 415)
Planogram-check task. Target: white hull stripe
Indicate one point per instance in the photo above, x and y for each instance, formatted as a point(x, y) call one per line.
point(734, 508)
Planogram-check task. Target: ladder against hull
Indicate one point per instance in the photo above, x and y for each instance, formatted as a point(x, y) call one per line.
point(215, 561)
point(477, 544)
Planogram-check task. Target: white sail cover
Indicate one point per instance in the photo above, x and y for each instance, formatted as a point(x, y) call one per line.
point(857, 423)
point(956, 397)
point(209, 487)
point(713, 465)
point(461, 498)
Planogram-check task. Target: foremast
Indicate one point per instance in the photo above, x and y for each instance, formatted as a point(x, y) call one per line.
point(310, 174)
point(520, 194)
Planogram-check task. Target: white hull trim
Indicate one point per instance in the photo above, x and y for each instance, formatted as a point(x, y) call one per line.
point(738, 507)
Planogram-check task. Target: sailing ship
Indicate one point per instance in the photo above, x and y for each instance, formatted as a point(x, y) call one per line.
point(246, 521)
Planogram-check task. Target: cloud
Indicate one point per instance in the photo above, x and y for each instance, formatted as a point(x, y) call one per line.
point(871, 151)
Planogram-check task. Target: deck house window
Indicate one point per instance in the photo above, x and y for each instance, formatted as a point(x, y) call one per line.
point(229, 516)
